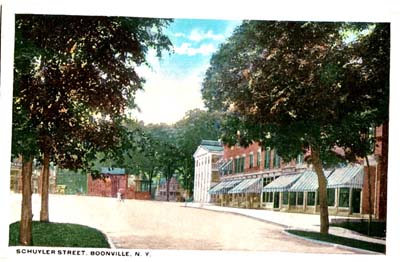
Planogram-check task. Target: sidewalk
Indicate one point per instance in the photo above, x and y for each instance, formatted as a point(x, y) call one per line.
point(299, 221)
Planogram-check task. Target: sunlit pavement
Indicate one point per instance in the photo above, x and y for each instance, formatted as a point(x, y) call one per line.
point(290, 220)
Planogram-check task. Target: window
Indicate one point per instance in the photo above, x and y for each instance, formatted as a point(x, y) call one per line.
point(299, 159)
point(267, 158)
point(265, 196)
point(258, 158)
point(267, 180)
point(251, 164)
point(310, 198)
point(277, 160)
point(236, 165)
point(300, 198)
point(268, 197)
point(344, 196)
point(331, 197)
point(285, 200)
point(241, 164)
point(292, 198)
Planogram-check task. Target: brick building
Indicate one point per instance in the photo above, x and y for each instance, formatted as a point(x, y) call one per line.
point(109, 183)
point(114, 180)
point(255, 178)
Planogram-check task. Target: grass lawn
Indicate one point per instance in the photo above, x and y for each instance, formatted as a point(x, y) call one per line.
point(60, 235)
point(350, 242)
point(378, 229)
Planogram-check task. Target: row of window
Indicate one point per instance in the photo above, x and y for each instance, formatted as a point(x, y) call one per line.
point(203, 161)
point(238, 164)
point(297, 198)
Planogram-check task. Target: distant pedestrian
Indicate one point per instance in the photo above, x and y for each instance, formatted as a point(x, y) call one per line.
point(119, 196)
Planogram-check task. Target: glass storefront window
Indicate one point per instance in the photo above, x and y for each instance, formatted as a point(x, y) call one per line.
point(344, 197)
point(285, 199)
point(310, 198)
point(300, 198)
point(331, 197)
point(292, 198)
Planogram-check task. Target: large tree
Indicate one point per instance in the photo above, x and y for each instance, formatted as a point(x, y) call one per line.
point(77, 81)
point(169, 156)
point(295, 86)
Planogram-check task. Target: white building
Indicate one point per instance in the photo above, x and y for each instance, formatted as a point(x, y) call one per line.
point(206, 174)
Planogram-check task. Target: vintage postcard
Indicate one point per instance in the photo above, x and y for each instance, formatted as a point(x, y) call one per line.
point(167, 130)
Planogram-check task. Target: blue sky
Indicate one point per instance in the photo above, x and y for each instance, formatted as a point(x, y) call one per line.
point(173, 83)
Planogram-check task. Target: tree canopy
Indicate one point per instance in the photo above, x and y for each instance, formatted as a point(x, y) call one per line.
point(298, 86)
point(76, 77)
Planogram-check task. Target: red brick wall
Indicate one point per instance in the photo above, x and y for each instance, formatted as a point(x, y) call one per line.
point(103, 186)
point(132, 194)
point(382, 171)
point(365, 191)
point(239, 151)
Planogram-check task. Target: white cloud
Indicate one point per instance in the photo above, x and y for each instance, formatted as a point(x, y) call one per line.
point(186, 49)
point(179, 35)
point(197, 35)
point(167, 100)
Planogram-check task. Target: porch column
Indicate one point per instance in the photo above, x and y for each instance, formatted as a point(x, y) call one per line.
point(350, 201)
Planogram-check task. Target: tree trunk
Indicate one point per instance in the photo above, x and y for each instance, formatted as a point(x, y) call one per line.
point(322, 188)
point(25, 229)
point(168, 180)
point(150, 182)
point(369, 197)
point(44, 211)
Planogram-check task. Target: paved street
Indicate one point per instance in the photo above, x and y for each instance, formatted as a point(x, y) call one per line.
point(136, 224)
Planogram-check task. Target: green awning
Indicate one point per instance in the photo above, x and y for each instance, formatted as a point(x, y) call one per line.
point(223, 187)
point(307, 182)
point(282, 183)
point(251, 185)
point(350, 177)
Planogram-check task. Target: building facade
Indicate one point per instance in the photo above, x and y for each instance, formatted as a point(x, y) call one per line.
point(173, 193)
point(245, 171)
point(16, 177)
point(116, 180)
point(110, 182)
point(207, 159)
point(256, 177)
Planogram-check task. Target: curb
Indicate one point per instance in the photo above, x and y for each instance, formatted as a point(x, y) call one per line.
point(110, 242)
point(331, 244)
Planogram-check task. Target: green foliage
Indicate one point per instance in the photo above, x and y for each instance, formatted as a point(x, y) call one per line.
point(74, 78)
point(291, 85)
point(75, 182)
point(60, 235)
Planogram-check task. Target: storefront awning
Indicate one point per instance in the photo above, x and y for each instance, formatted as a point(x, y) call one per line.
point(282, 183)
point(307, 182)
point(223, 187)
point(351, 177)
point(251, 185)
